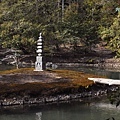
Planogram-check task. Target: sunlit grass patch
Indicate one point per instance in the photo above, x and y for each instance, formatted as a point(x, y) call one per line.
point(77, 78)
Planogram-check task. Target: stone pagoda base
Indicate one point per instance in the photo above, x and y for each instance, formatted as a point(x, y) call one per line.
point(38, 64)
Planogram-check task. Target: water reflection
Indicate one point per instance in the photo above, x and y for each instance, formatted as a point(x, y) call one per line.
point(110, 73)
point(65, 111)
point(103, 72)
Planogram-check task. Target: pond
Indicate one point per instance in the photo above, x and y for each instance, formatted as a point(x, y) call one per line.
point(96, 110)
point(109, 73)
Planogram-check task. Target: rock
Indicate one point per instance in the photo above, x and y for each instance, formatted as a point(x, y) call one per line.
point(1, 76)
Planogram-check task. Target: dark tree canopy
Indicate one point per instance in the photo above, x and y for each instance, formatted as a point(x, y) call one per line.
point(62, 22)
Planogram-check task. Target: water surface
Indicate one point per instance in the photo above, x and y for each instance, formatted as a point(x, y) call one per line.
point(109, 73)
point(63, 111)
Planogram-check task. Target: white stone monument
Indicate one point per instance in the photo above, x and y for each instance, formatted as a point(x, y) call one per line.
point(38, 63)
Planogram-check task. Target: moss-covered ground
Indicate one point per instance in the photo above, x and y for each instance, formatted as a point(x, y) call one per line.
point(63, 82)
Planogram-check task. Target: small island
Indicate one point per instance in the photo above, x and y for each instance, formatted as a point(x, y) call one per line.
point(26, 86)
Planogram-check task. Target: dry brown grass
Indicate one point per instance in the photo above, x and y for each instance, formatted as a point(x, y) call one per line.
point(75, 81)
point(78, 78)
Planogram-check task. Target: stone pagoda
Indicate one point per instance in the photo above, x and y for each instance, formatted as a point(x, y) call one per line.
point(39, 63)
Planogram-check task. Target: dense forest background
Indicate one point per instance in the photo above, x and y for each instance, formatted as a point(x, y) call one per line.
point(64, 24)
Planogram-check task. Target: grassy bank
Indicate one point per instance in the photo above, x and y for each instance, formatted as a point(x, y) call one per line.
point(63, 82)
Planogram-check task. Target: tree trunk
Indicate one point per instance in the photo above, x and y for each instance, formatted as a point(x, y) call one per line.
point(63, 10)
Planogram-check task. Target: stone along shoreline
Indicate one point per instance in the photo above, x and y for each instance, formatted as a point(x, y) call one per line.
point(24, 86)
point(59, 98)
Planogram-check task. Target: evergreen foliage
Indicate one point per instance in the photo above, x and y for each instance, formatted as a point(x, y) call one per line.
point(112, 35)
point(73, 22)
